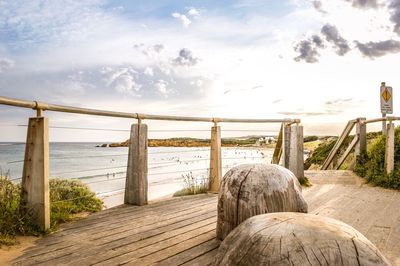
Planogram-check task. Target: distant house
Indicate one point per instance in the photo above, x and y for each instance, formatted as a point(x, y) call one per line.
point(270, 140)
point(266, 140)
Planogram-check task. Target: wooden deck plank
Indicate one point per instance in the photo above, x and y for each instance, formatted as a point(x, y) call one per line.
point(125, 254)
point(174, 249)
point(127, 213)
point(181, 231)
point(87, 245)
point(132, 218)
point(190, 254)
point(146, 238)
point(204, 260)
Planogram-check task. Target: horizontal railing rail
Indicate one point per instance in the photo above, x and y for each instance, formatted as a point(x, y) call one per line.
point(40, 106)
point(381, 119)
point(37, 157)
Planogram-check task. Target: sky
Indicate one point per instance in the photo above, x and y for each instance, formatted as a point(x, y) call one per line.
point(319, 61)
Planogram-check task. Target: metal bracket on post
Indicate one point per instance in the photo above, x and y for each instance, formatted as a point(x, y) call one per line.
point(389, 151)
point(35, 195)
point(40, 107)
point(136, 186)
point(139, 118)
point(215, 158)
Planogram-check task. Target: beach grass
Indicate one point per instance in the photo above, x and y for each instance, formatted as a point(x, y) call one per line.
point(305, 182)
point(67, 198)
point(371, 164)
point(192, 186)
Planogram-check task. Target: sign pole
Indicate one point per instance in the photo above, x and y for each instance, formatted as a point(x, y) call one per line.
point(384, 125)
point(386, 96)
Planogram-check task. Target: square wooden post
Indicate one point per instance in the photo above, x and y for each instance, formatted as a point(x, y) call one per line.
point(35, 197)
point(286, 146)
point(296, 157)
point(215, 160)
point(361, 134)
point(136, 186)
point(389, 151)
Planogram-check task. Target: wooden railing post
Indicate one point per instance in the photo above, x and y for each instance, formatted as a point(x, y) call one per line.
point(361, 133)
point(389, 151)
point(136, 186)
point(35, 176)
point(296, 157)
point(215, 159)
point(286, 145)
point(276, 157)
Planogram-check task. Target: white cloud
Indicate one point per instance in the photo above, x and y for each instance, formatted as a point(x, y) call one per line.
point(193, 12)
point(185, 58)
point(162, 88)
point(126, 83)
point(182, 18)
point(6, 64)
point(122, 80)
point(148, 71)
point(149, 50)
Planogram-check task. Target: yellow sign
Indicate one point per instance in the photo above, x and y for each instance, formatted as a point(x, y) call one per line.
point(386, 95)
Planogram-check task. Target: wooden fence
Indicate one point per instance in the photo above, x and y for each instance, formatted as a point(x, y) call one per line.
point(359, 143)
point(35, 177)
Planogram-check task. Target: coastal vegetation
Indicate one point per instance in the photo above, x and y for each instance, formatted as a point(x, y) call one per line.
point(67, 198)
point(370, 165)
point(197, 142)
point(192, 185)
point(318, 155)
point(305, 182)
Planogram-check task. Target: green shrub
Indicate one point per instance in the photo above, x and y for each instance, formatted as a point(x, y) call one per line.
point(372, 164)
point(319, 154)
point(192, 186)
point(67, 197)
point(305, 182)
point(12, 219)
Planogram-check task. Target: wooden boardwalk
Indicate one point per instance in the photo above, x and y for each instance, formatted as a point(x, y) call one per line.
point(181, 231)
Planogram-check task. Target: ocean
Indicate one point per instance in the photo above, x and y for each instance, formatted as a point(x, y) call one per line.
point(104, 169)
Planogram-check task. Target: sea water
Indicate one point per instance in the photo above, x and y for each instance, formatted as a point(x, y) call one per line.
point(104, 169)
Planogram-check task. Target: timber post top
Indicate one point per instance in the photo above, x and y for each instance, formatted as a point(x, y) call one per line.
point(42, 106)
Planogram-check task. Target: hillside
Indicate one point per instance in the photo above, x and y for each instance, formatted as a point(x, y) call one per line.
point(196, 142)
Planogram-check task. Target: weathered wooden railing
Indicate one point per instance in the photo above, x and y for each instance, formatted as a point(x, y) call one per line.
point(290, 146)
point(35, 177)
point(359, 143)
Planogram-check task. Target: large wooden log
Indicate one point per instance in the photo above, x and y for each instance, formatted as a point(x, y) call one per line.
point(297, 239)
point(251, 189)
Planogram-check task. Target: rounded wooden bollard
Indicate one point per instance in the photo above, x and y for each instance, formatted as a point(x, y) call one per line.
point(289, 238)
point(251, 189)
